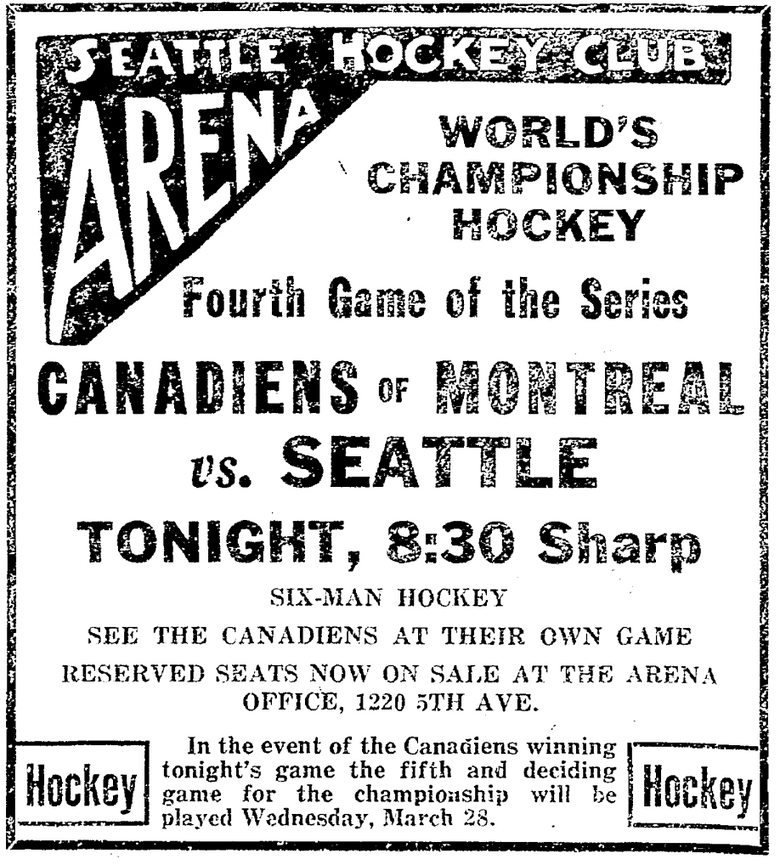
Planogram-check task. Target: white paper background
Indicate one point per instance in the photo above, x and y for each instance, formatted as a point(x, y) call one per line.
point(707, 246)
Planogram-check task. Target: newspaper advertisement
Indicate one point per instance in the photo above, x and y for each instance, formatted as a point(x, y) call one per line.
point(387, 422)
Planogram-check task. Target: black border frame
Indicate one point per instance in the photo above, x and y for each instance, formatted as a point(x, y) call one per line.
point(763, 427)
